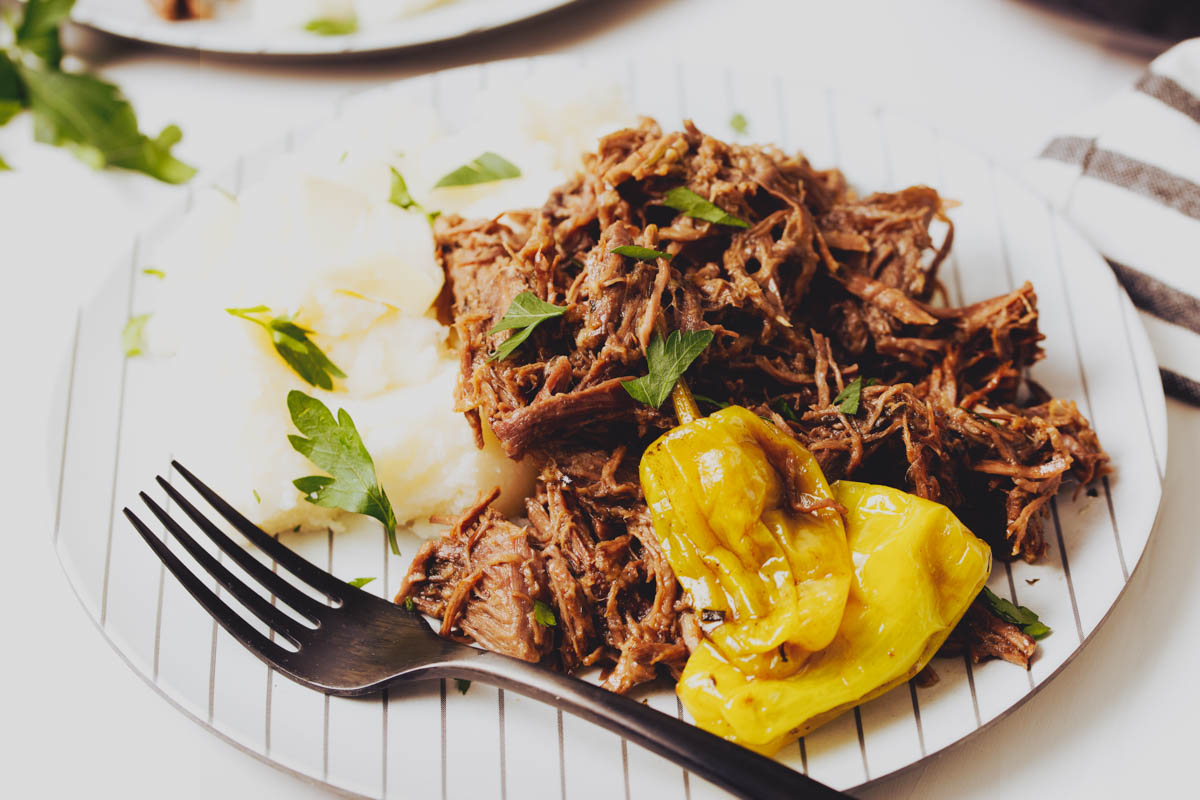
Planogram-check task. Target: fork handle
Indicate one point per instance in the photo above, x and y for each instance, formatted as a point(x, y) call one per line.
point(739, 771)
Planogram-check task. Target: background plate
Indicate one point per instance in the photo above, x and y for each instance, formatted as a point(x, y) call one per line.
point(427, 740)
point(231, 32)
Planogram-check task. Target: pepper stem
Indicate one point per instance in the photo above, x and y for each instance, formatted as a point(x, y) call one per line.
point(685, 405)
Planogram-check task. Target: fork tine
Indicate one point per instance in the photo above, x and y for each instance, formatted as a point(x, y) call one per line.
point(304, 570)
point(278, 621)
point(230, 620)
point(274, 584)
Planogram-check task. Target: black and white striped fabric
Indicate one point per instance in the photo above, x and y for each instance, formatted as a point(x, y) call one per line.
point(1129, 178)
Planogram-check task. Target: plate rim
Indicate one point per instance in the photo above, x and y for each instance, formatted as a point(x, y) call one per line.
point(134, 31)
point(1153, 396)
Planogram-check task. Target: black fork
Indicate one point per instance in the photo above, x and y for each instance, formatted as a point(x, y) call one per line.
point(359, 644)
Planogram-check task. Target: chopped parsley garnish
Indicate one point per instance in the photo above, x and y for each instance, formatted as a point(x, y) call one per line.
point(524, 314)
point(358, 583)
point(257, 499)
point(84, 114)
point(687, 202)
point(717, 404)
point(785, 409)
point(332, 26)
point(1020, 616)
point(486, 168)
point(133, 335)
point(667, 361)
point(154, 273)
point(409, 605)
point(544, 615)
point(4, 167)
point(400, 196)
point(848, 399)
point(293, 345)
point(738, 123)
point(462, 685)
point(335, 446)
point(640, 253)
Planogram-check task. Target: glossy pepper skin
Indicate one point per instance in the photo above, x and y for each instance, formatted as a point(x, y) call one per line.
point(723, 491)
point(916, 571)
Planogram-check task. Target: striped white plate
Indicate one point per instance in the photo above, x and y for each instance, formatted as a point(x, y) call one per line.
point(430, 740)
point(231, 31)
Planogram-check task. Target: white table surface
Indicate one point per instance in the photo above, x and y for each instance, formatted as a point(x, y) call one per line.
point(1000, 73)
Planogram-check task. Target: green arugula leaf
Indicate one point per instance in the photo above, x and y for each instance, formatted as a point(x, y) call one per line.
point(133, 335)
point(358, 583)
point(38, 31)
point(640, 253)
point(525, 312)
point(487, 168)
point(848, 399)
point(738, 123)
point(462, 685)
point(544, 614)
point(154, 272)
point(717, 404)
point(686, 201)
point(785, 409)
point(667, 361)
point(293, 345)
point(332, 26)
point(93, 119)
point(335, 446)
point(1016, 615)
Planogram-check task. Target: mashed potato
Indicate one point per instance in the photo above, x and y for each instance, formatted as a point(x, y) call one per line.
point(318, 238)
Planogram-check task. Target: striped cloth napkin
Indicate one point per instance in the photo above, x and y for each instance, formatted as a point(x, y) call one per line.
point(1129, 178)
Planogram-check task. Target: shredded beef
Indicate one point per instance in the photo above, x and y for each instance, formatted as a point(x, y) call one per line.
point(182, 9)
point(820, 289)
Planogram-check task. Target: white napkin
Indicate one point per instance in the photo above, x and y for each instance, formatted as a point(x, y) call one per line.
point(1129, 177)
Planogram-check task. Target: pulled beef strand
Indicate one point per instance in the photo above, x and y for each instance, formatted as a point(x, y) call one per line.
point(819, 289)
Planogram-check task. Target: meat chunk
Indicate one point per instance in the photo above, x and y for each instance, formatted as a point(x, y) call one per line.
point(182, 9)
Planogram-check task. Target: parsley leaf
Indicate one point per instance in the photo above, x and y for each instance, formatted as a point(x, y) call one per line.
point(686, 201)
point(738, 123)
point(133, 335)
point(154, 273)
point(785, 409)
point(667, 361)
point(462, 685)
point(292, 343)
point(409, 605)
point(38, 31)
point(92, 119)
point(84, 114)
point(335, 446)
point(400, 195)
point(717, 404)
point(332, 26)
point(848, 399)
point(1016, 615)
point(544, 614)
point(4, 167)
point(358, 583)
point(487, 168)
point(640, 253)
point(257, 498)
point(525, 312)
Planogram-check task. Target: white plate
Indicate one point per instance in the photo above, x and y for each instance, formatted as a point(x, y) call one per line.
point(230, 31)
point(426, 741)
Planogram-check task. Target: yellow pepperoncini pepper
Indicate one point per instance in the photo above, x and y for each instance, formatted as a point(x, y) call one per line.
point(916, 570)
point(747, 522)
